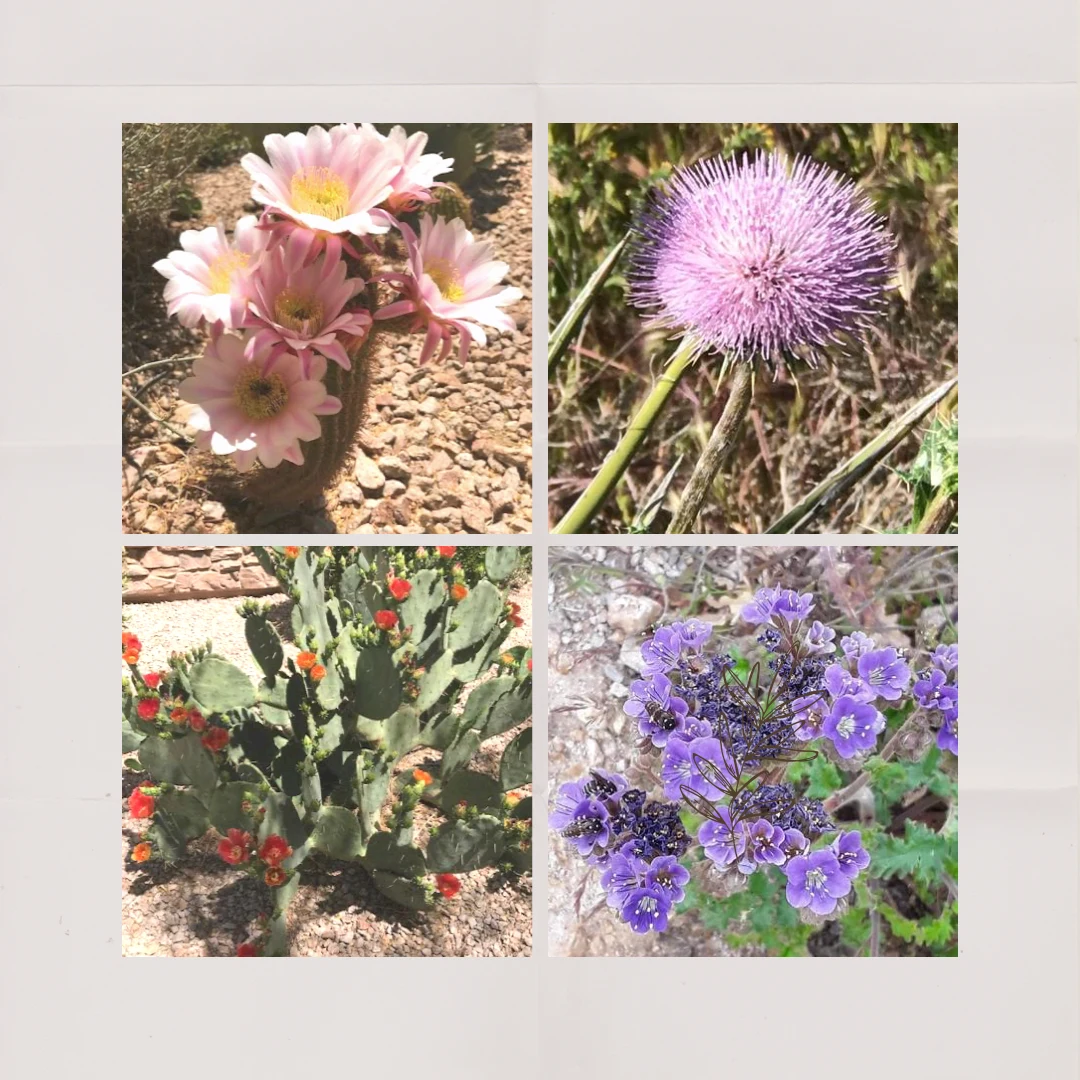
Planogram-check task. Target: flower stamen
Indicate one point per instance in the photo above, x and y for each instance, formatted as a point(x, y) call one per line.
point(259, 396)
point(317, 190)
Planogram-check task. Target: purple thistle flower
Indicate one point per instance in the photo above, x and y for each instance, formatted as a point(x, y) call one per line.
point(795, 843)
point(885, 673)
point(946, 657)
point(819, 638)
point(766, 842)
point(723, 844)
point(623, 875)
point(850, 853)
point(658, 711)
point(755, 259)
point(693, 633)
point(661, 651)
point(856, 644)
point(808, 716)
point(816, 880)
point(931, 692)
point(669, 876)
point(852, 725)
point(647, 909)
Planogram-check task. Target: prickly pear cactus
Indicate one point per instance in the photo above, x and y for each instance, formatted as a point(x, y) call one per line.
point(302, 762)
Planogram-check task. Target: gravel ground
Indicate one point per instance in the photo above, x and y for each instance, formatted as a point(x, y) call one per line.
point(203, 907)
point(446, 448)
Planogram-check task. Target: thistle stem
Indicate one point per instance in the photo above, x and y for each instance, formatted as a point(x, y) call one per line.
point(616, 463)
point(718, 449)
point(939, 514)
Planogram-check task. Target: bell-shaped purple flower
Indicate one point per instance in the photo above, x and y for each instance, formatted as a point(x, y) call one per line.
point(885, 673)
point(946, 657)
point(852, 725)
point(850, 853)
point(588, 826)
point(722, 843)
point(794, 606)
point(929, 692)
point(623, 874)
point(820, 639)
point(680, 769)
point(693, 633)
point(765, 842)
point(854, 645)
point(816, 881)
point(948, 736)
point(760, 609)
point(647, 909)
point(808, 716)
point(795, 843)
point(841, 683)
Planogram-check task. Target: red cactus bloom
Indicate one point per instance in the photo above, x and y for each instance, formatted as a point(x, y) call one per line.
point(129, 643)
point(215, 739)
point(140, 804)
point(515, 615)
point(141, 852)
point(305, 660)
point(422, 777)
point(292, 552)
point(245, 948)
point(148, 707)
point(385, 620)
point(529, 664)
point(448, 885)
point(446, 552)
point(400, 588)
point(275, 876)
point(235, 848)
point(179, 715)
point(196, 720)
point(153, 679)
point(458, 591)
point(274, 849)
point(131, 658)
point(318, 672)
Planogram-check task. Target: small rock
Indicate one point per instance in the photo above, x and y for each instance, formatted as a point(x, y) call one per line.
point(368, 475)
point(350, 493)
point(394, 468)
point(393, 488)
point(212, 511)
point(632, 614)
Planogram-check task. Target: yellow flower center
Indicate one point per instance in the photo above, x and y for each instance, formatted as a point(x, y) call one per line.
point(301, 314)
point(447, 279)
point(259, 396)
point(223, 268)
point(317, 190)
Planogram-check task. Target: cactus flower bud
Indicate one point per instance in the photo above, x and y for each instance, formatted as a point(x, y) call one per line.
point(385, 620)
point(422, 777)
point(318, 672)
point(140, 804)
point(292, 552)
point(246, 948)
point(446, 552)
point(448, 885)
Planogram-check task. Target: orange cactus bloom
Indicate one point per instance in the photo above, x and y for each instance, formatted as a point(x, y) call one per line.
point(140, 804)
point(399, 588)
point(385, 620)
point(179, 715)
point(422, 777)
point(196, 720)
point(246, 949)
point(446, 552)
point(275, 876)
point(317, 672)
point(458, 591)
point(274, 849)
point(235, 848)
point(292, 552)
point(141, 852)
point(215, 739)
point(305, 660)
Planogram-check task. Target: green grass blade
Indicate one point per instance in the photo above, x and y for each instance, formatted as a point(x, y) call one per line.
point(571, 321)
point(843, 478)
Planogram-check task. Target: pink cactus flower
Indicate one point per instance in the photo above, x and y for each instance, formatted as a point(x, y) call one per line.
point(453, 285)
point(208, 278)
point(300, 307)
point(255, 402)
point(417, 171)
point(328, 182)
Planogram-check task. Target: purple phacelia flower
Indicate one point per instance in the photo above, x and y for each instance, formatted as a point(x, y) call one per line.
point(885, 673)
point(794, 606)
point(795, 843)
point(856, 644)
point(693, 633)
point(679, 768)
point(816, 880)
point(647, 909)
point(668, 875)
point(931, 692)
point(588, 826)
point(839, 682)
point(722, 843)
point(850, 853)
point(661, 652)
point(624, 874)
point(948, 736)
point(757, 259)
point(599, 784)
point(658, 711)
point(819, 638)
point(760, 609)
point(852, 725)
point(808, 716)
point(946, 657)
point(765, 842)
